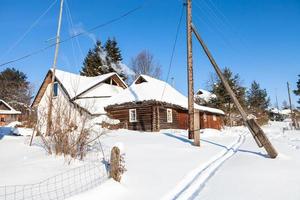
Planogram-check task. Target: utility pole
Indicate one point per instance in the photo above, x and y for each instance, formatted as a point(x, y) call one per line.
point(294, 122)
point(257, 133)
point(190, 68)
point(49, 120)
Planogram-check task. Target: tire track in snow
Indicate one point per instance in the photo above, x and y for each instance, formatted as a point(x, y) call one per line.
point(195, 181)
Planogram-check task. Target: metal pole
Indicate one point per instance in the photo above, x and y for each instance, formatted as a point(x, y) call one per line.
point(190, 68)
point(257, 133)
point(49, 121)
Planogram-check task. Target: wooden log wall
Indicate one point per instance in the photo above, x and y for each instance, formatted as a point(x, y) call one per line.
point(164, 124)
point(209, 122)
point(144, 117)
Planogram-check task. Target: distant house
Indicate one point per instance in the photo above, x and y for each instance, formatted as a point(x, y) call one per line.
point(202, 97)
point(82, 95)
point(7, 113)
point(150, 104)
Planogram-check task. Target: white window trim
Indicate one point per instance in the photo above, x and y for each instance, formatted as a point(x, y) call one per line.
point(205, 117)
point(169, 120)
point(54, 96)
point(214, 118)
point(130, 119)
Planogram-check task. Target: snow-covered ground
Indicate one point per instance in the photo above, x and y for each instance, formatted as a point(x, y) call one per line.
point(22, 164)
point(166, 165)
point(250, 175)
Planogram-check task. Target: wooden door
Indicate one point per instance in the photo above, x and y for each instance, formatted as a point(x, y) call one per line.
point(183, 121)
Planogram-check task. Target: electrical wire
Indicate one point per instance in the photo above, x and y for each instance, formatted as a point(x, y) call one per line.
point(111, 21)
point(28, 30)
point(173, 50)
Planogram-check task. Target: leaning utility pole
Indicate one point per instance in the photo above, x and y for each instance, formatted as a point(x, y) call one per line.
point(49, 120)
point(190, 68)
point(294, 121)
point(257, 133)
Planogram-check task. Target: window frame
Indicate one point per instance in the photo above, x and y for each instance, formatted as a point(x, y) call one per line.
point(55, 89)
point(2, 119)
point(130, 116)
point(214, 118)
point(204, 117)
point(169, 120)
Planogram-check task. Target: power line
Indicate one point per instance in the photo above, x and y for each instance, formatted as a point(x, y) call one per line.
point(71, 26)
point(173, 50)
point(29, 29)
point(76, 35)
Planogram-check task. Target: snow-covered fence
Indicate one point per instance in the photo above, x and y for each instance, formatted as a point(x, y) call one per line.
point(60, 186)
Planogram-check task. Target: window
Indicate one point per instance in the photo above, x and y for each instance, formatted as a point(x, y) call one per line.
point(132, 115)
point(55, 89)
point(204, 117)
point(2, 119)
point(169, 116)
point(214, 118)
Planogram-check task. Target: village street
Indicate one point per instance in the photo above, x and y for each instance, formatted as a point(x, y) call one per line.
point(250, 175)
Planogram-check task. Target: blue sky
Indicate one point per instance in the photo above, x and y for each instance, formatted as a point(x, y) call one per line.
point(257, 39)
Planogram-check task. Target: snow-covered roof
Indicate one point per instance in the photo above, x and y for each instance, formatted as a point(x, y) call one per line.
point(281, 112)
point(10, 111)
point(76, 84)
point(205, 95)
point(154, 89)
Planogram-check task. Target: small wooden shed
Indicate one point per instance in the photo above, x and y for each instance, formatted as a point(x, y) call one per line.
point(7, 113)
point(151, 105)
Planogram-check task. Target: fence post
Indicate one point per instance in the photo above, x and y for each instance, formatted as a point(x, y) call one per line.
point(115, 161)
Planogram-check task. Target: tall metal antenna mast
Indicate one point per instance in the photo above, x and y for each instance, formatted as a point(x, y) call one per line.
point(49, 120)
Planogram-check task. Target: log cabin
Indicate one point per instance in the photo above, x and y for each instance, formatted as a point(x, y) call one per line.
point(7, 113)
point(150, 104)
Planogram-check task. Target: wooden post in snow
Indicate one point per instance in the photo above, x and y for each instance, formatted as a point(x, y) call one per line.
point(196, 128)
point(115, 162)
point(190, 68)
point(257, 133)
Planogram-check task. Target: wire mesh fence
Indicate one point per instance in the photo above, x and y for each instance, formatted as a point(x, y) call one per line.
point(60, 186)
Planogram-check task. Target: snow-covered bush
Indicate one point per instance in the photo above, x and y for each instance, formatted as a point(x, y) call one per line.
point(71, 129)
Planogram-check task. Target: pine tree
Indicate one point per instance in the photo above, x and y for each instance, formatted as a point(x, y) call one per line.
point(94, 63)
point(103, 60)
point(223, 100)
point(297, 91)
point(113, 51)
point(15, 89)
point(257, 99)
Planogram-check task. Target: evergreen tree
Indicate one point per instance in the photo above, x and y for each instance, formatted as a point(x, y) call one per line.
point(297, 91)
point(15, 89)
point(103, 60)
point(113, 51)
point(257, 99)
point(223, 100)
point(94, 63)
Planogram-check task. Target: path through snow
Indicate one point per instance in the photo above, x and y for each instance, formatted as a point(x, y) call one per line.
point(251, 175)
point(192, 184)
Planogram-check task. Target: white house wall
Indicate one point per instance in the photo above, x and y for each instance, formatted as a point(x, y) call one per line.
point(62, 107)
